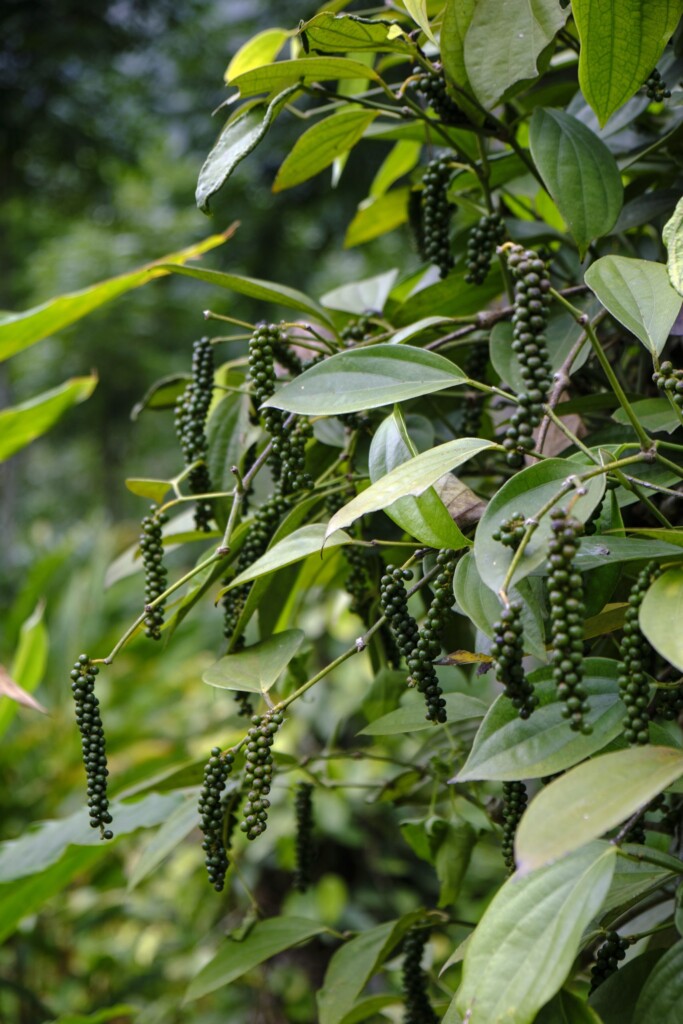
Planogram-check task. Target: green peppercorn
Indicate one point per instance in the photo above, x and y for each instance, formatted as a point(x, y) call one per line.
point(418, 1009)
point(656, 88)
point(93, 744)
point(481, 245)
point(191, 412)
point(258, 772)
point(304, 849)
point(152, 551)
point(436, 214)
point(212, 813)
point(432, 86)
point(608, 957)
point(514, 804)
point(636, 656)
point(508, 653)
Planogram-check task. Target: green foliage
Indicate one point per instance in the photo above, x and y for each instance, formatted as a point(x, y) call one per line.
point(450, 596)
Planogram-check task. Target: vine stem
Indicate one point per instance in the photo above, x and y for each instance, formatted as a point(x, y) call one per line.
point(581, 318)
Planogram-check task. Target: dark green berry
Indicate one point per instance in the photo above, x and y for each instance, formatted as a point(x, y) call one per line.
point(191, 412)
point(475, 368)
point(152, 551)
point(514, 804)
point(304, 849)
point(212, 814)
point(656, 88)
point(258, 773)
point(432, 86)
point(607, 958)
point(481, 245)
point(507, 651)
point(436, 214)
point(511, 531)
point(418, 1009)
point(636, 656)
point(92, 742)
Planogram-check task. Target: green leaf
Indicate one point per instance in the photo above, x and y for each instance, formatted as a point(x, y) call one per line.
point(400, 160)
point(567, 1008)
point(507, 748)
point(660, 616)
point(452, 859)
point(344, 33)
point(526, 493)
point(376, 216)
point(523, 948)
point(265, 291)
point(639, 295)
point(425, 518)
point(360, 296)
point(320, 146)
point(457, 17)
point(256, 668)
point(163, 394)
point(620, 45)
point(452, 297)
point(366, 378)
point(504, 42)
point(19, 330)
point(660, 1000)
point(594, 550)
point(308, 540)
point(183, 820)
point(417, 328)
point(673, 240)
point(120, 1014)
point(229, 434)
point(412, 477)
point(29, 662)
point(411, 717)
point(483, 607)
point(579, 171)
point(154, 490)
point(265, 940)
point(22, 424)
point(261, 49)
point(591, 799)
point(417, 9)
point(370, 1007)
point(655, 414)
point(237, 140)
point(305, 70)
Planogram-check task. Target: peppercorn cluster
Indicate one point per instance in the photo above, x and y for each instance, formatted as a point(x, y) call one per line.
point(636, 655)
point(669, 703)
point(436, 215)
point(507, 650)
point(418, 1009)
point(475, 368)
point(432, 86)
point(607, 958)
point(356, 330)
point(212, 814)
point(152, 550)
point(191, 411)
point(511, 531)
point(289, 455)
point(92, 742)
point(656, 88)
point(670, 380)
point(304, 849)
point(258, 772)
point(567, 615)
point(514, 803)
point(529, 320)
point(420, 646)
point(481, 245)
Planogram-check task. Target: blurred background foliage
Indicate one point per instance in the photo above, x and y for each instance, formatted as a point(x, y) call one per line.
point(105, 121)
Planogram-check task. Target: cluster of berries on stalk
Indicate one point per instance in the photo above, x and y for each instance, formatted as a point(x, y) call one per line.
point(92, 742)
point(636, 656)
point(152, 550)
point(481, 245)
point(418, 1009)
point(671, 381)
point(192, 410)
point(431, 85)
point(212, 814)
point(511, 531)
point(607, 958)
point(507, 651)
point(475, 368)
point(567, 616)
point(530, 319)
point(258, 772)
point(656, 88)
point(514, 804)
point(304, 848)
point(436, 212)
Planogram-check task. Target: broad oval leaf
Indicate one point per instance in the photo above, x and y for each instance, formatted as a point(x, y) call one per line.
point(413, 477)
point(235, 958)
point(523, 948)
point(256, 668)
point(579, 172)
point(567, 1008)
point(660, 616)
point(261, 49)
point(236, 141)
point(411, 717)
point(620, 45)
point(425, 518)
point(178, 825)
point(367, 378)
point(400, 160)
point(360, 296)
point(344, 33)
point(153, 490)
point(417, 9)
point(660, 999)
point(526, 493)
point(308, 540)
point(22, 424)
point(673, 240)
point(320, 146)
point(639, 294)
point(376, 216)
point(591, 799)
point(278, 76)
point(655, 414)
point(507, 748)
point(504, 42)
